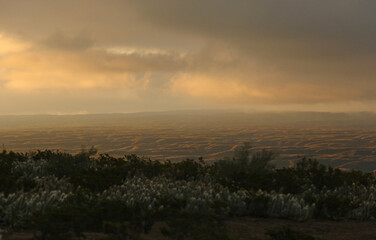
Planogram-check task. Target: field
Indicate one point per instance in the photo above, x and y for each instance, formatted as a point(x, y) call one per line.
point(344, 141)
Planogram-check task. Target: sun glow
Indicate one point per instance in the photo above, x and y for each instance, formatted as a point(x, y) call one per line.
point(11, 45)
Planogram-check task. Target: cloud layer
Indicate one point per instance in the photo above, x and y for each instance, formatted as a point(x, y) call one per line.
point(162, 55)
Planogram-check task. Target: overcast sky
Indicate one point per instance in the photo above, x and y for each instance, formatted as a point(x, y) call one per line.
point(91, 56)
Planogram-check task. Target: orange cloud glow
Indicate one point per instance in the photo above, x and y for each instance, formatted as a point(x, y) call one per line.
point(9, 45)
point(48, 70)
point(170, 55)
point(210, 87)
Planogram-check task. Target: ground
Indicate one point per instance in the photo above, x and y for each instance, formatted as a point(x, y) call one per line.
point(247, 228)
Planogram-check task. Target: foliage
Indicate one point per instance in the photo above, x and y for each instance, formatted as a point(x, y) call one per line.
point(82, 212)
point(66, 165)
point(244, 171)
point(107, 171)
point(309, 172)
point(61, 195)
point(8, 179)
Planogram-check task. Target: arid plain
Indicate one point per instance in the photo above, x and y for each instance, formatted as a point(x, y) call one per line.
point(340, 140)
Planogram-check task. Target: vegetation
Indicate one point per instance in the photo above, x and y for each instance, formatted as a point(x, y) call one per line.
point(60, 196)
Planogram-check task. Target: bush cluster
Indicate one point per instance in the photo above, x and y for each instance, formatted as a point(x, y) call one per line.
point(60, 195)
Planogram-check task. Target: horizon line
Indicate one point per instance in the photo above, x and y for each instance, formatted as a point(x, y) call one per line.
point(181, 111)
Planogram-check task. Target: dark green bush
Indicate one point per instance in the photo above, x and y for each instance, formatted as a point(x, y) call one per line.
point(334, 207)
point(107, 171)
point(8, 179)
point(56, 223)
point(309, 172)
point(69, 219)
point(67, 165)
point(90, 174)
point(259, 206)
point(245, 171)
point(80, 212)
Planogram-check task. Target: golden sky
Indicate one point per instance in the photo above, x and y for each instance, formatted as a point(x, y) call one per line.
point(91, 56)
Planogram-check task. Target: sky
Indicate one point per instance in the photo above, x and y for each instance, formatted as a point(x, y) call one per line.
point(91, 56)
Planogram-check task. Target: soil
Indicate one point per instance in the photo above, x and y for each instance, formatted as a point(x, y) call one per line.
point(247, 228)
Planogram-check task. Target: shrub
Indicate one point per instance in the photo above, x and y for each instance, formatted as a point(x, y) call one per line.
point(309, 172)
point(8, 179)
point(82, 192)
point(56, 223)
point(334, 207)
point(81, 212)
point(244, 171)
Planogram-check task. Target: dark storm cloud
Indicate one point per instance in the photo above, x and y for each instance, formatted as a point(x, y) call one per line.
point(242, 18)
point(348, 21)
point(59, 41)
point(111, 22)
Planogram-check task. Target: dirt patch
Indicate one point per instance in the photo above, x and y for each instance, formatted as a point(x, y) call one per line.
point(247, 228)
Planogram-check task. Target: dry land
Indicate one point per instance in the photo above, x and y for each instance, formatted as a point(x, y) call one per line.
point(247, 228)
